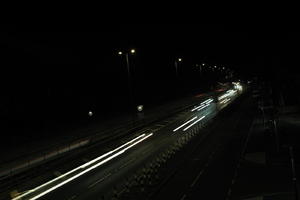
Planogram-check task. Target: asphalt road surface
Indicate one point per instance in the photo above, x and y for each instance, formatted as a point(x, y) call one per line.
point(210, 170)
point(98, 176)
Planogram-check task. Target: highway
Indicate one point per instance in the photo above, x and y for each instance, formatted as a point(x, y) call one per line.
point(210, 167)
point(98, 176)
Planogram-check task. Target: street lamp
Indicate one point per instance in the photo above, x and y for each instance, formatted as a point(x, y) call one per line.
point(132, 52)
point(200, 68)
point(176, 65)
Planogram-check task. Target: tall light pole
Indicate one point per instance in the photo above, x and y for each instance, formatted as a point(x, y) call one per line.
point(200, 68)
point(177, 61)
point(126, 54)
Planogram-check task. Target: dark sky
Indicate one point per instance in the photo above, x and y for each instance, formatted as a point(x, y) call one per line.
point(76, 65)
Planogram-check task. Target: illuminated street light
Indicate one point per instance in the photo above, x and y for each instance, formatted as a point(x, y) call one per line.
point(140, 108)
point(176, 65)
point(126, 54)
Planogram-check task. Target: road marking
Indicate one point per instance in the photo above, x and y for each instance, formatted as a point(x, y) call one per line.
point(100, 180)
point(229, 192)
point(126, 163)
point(240, 160)
point(72, 197)
point(196, 179)
point(183, 197)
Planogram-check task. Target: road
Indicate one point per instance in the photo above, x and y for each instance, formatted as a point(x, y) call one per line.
point(98, 176)
point(210, 170)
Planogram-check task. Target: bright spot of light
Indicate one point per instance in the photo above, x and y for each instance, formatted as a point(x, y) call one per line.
point(90, 113)
point(140, 108)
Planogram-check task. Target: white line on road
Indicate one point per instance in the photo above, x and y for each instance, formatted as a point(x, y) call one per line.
point(100, 180)
point(183, 197)
point(72, 197)
point(197, 178)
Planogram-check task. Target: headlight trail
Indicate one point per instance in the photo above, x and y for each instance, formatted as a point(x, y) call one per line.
point(179, 127)
point(122, 149)
point(195, 122)
point(203, 107)
point(206, 102)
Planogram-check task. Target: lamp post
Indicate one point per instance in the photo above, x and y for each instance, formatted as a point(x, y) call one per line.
point(126, 54)
point(177, 61)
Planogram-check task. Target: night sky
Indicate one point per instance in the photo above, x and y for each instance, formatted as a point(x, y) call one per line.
point(58, 73)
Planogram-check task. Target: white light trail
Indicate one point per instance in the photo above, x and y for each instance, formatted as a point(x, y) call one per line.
point(206, 102)
point(195, 122)
point(225, 101)
point(203, 107)
point(179, 127)
point(135, 140)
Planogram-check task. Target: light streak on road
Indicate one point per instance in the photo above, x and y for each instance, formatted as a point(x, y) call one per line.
point(203, 107)
point(206, 102)
point(227, 94)
point(195, 122)
point(225, 101)
point(122, 149)
point(179, 127)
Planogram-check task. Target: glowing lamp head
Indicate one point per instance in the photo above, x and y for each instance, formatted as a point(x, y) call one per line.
point(132, 51)
point(140, 108)
point(90, 113)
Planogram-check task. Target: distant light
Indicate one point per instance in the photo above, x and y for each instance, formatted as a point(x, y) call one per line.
point(223, 68)
point(215, 66)
point(140, 108)
point(179, 59)
point(203, 64)
point(90, 113)
point(120, 52)
point(132, 51)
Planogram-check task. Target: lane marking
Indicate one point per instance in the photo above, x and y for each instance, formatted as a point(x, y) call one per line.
point(127, 163)
point(197, 178)
point(100, 180)
point(229, 192)
point(72, 197)
point(183, 197)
